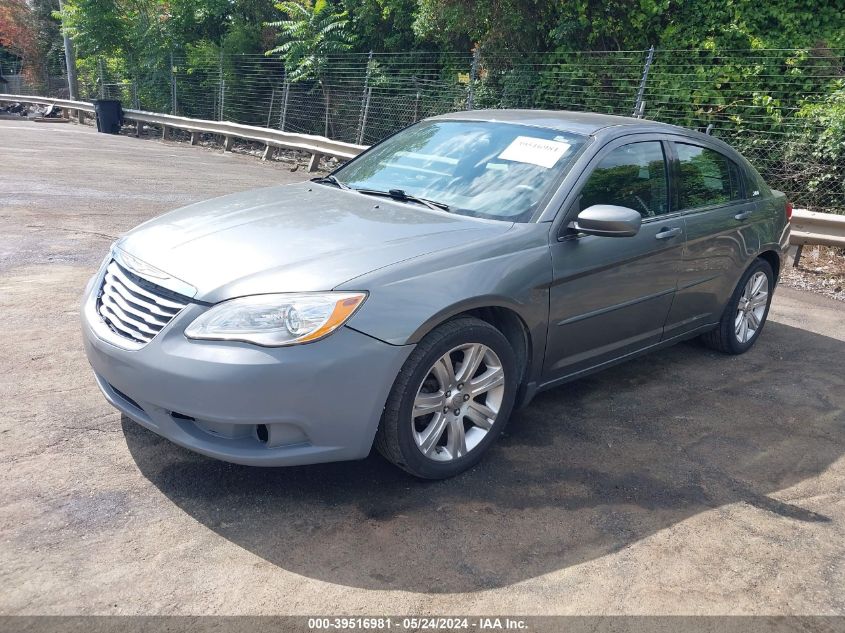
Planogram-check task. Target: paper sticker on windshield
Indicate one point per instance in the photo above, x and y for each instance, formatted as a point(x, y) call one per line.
point(535, 151)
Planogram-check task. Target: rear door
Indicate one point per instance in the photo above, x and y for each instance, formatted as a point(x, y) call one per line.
point(611, 295)
point(719, 211)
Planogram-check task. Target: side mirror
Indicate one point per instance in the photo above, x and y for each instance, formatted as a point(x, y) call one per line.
point(608, 220)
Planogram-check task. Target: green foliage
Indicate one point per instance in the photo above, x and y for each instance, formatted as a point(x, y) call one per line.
point(501, 25)
point(702, 24)
point(189, 21)
point(828, 115)
point(743, 24)
point(243, 38)
point(313, 32)
point(106, 26)
point(48, 28)
point(383, 25)
point(609, 25)
point(309, 37)
point(614, 25)
point(819, 147)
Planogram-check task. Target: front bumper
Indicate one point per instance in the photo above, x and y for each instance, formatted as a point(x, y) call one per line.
point(241, 403)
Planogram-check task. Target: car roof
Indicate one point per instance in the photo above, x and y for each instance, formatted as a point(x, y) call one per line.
point(586, 123)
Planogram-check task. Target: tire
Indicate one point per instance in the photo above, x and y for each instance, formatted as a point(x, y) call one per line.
point(728, 337)
point(427, 444)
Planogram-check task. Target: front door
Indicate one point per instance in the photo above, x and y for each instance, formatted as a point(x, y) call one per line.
point(611, 295)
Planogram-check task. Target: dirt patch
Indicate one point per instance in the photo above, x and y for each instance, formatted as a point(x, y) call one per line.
point(821, 269)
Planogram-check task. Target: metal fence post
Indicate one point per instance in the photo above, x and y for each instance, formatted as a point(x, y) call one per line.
point(364, 117)
point(222, 83)
point(365, 99)
point(172, 85)
point(284, 114)
point(222, 97)
point(270, 109)
point(473, 75)
point(639, 104)
point(70, 61)
point(417, 108)
point(102, 78)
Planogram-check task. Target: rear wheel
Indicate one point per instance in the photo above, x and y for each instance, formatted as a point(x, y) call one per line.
point(450, 401)
point(746, 312)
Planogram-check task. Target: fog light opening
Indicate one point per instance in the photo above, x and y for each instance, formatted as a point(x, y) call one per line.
point(262, 433)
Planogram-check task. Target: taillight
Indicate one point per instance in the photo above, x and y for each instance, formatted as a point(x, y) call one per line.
point(788, 211)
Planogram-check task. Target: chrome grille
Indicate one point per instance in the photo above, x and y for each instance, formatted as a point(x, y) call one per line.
point(135, 308)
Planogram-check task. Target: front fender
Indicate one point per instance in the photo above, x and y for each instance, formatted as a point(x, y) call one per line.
point(411, 298)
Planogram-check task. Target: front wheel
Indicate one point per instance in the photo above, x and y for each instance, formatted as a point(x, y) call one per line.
point(450, 401)
point(746, 312)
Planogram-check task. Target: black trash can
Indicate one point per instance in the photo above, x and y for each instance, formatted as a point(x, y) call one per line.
point(109, 115)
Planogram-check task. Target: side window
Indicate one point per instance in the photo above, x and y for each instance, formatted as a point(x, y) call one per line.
point(707, 177)
point(736, 180)
point(633, 176)
point(749, 183)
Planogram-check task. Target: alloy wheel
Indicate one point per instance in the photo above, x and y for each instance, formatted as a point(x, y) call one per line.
point(458, 402)
point(751, 307)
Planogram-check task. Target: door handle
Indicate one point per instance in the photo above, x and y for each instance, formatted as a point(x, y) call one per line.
point(666, 233)
point(742, 216)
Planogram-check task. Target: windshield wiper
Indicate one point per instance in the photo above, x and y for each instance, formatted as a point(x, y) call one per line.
point(331, 180)
point(401, 196)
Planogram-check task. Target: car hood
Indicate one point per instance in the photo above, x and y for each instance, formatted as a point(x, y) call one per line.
point(293, 238)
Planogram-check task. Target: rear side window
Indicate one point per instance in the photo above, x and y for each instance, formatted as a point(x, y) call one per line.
point(632, 176)
point(707, 177)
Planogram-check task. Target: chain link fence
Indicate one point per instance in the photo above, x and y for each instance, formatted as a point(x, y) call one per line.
point(783, 109)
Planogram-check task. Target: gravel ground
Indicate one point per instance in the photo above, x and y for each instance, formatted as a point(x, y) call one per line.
point(821, 269)
point(685, 482)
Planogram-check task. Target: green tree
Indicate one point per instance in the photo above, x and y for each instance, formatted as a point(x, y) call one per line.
point(609, 25)
point(614, 25)
point(497, 25)
point(127, 40)
point(384, 26)
point(312, 34)
point(819, 149)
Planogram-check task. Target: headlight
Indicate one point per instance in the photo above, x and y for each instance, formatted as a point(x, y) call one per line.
point(275, 320)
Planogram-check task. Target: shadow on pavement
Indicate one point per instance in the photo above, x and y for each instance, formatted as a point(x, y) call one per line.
point(585, 470)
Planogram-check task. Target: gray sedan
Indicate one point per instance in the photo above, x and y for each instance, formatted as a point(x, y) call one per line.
point(414, 297)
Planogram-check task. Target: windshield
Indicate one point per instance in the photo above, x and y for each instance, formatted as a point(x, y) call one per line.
point(491, 170)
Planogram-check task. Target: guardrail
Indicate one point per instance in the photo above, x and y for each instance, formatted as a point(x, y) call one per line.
point(811, 227)
point(317, 146)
